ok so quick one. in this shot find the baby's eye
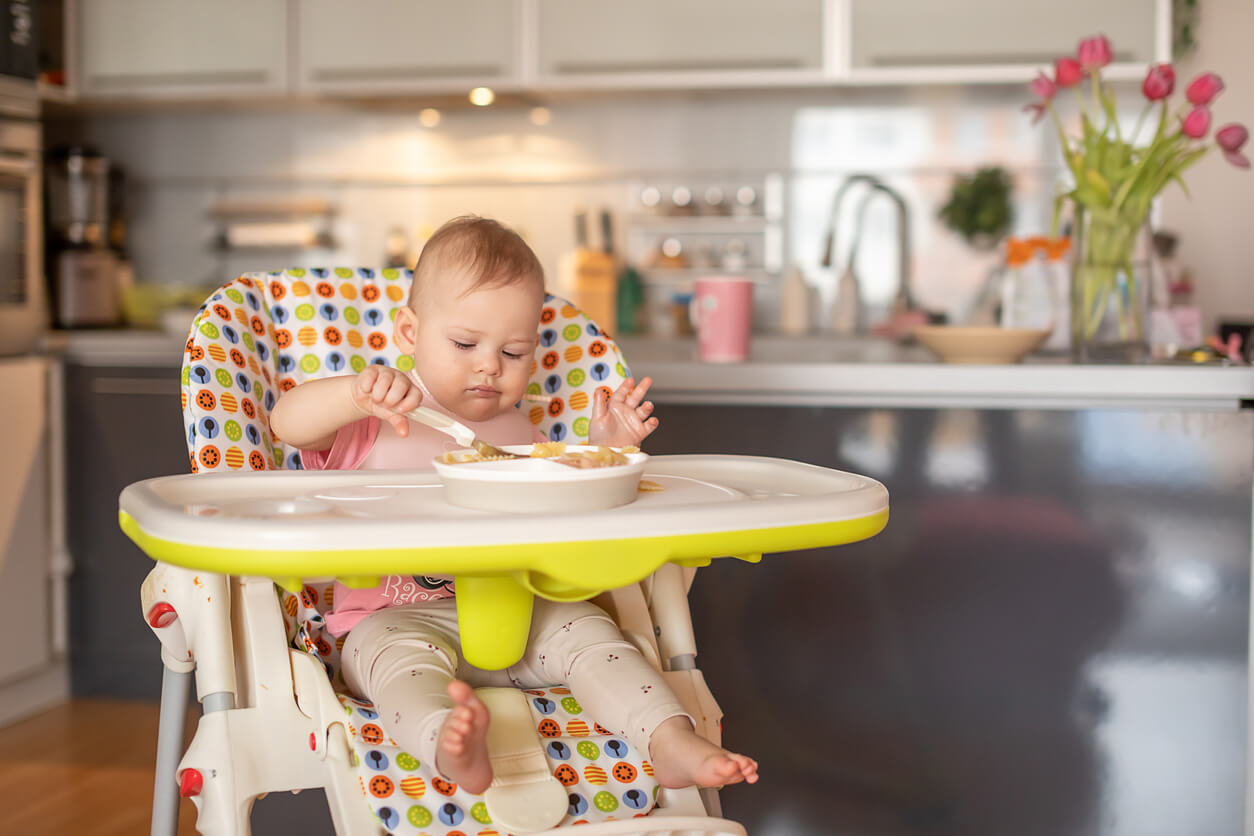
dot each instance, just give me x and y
(513, 356)
(463, 346)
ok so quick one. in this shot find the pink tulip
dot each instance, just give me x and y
(1094, 53)
(1230, 138)
(1068, 72)
(1197, 123)
(1043, 87)
(1204, 89)
(1159, 82)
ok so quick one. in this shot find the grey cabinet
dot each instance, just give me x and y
(404, 45)
(1055, 592)
(966, 35)
(588, 38)
(122, 425)
(158, 49)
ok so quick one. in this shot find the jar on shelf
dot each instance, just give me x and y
(1033, 283)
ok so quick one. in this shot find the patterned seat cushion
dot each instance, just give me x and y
(264, 333)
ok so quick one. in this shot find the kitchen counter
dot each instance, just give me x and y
(819, 371)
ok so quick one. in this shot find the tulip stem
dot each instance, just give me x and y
(1140, 122)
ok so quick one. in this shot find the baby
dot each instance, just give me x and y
(471, 327)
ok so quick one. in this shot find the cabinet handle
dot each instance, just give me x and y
(966, 59)
(410, 72)
(134, 386)
(676, 66)
(124, 81)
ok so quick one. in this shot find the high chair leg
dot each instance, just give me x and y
(175, 689)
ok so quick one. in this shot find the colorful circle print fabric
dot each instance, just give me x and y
(604, 777)
(263, 333)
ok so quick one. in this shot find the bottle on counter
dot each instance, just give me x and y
(794, 304)
(629, 298)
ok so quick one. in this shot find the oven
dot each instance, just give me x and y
(23, 313)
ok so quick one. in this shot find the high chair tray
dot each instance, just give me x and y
(360, 525)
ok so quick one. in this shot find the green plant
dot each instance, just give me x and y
(979, 207)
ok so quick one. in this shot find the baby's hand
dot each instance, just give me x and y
(621, 419)
(387, 394)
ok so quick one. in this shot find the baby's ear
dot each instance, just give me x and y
(405, 329)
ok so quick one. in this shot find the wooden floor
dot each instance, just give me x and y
(84, 768)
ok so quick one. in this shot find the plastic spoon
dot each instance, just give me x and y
(460, 433)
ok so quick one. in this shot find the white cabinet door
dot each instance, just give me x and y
(157, 48)
(888, 35)
(24, 542)
(396, 45)
(678, 38)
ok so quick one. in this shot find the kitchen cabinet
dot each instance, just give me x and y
(32, 665)
(405, 45)
(968, 39)
(1054, 589)
(157, 49)
(123, 424)
(149, 49)
(599, 41)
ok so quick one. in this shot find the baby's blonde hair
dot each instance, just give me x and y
(488, 252)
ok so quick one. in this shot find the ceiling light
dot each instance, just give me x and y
(540, 116)
(482, 96)
(429, 117)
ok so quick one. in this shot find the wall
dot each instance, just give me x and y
(384, 169)
(1214, 223)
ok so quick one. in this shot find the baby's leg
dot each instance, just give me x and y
(579, 645)
(403, 660)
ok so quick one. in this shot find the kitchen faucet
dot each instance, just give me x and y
(903, 300)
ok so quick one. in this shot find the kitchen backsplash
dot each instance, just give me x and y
(381, 169)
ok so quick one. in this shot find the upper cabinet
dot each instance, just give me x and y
(159, 49)
(186, 49)
(405, 45)
(915, 40)
(666, 41)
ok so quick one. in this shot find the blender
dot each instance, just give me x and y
(84, 269)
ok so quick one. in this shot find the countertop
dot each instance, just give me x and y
(824, 371)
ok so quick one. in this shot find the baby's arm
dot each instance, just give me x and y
(308, 416)
(624, 418)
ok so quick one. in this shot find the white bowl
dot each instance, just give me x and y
(539, 485)
(980, 344)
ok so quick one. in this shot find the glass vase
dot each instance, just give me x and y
(1109, 291)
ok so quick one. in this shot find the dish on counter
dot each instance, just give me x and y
(538, 484)
(979, 344)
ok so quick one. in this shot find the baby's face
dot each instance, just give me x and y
(474, 350)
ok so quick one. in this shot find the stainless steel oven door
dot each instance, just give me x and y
(23, 313)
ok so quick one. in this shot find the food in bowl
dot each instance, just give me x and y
(583, 458)
(557, 478)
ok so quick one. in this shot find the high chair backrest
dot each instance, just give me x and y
(263, 333)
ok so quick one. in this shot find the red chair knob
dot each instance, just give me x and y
(161, 614)
(191, 782)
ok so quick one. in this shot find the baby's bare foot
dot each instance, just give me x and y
(682, 758)
(462, 748)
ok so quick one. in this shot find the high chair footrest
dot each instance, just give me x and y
(524, 796)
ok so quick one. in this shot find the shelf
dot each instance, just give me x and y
(701, 223)
(679, 274)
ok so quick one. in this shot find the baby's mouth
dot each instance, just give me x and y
(483, 391)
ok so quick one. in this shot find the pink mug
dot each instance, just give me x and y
(722, 314)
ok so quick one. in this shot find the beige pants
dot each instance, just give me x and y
(403, 658)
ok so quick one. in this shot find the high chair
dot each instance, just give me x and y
(267, 677)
